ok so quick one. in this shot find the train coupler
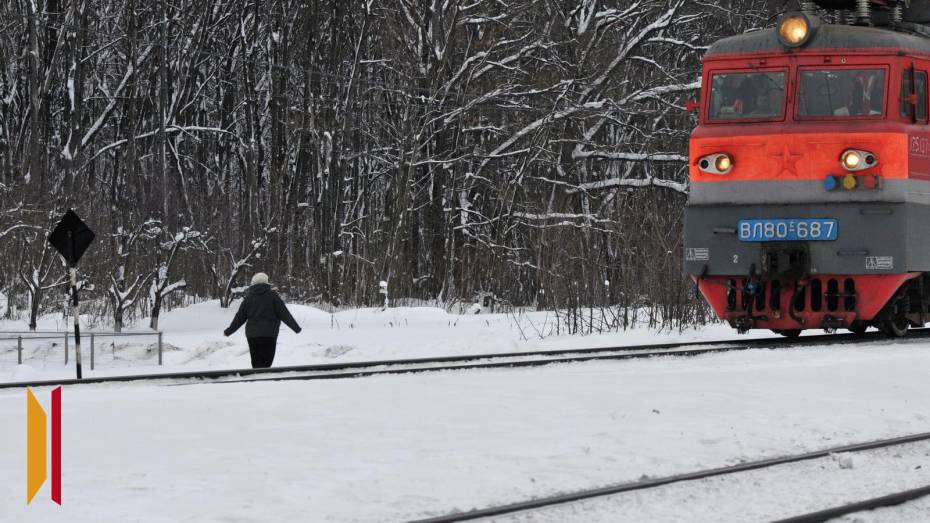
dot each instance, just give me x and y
(744, 324)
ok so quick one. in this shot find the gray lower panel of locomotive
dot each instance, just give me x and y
(872, 238)
(763, 192)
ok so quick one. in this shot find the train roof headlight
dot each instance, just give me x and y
(794, 29)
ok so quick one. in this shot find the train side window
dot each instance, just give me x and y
(920, 90)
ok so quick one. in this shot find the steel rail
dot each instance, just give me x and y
(620, 488)
(621, 353)
(489, 365)
(356, 369)
(870, 504)
(332, 370)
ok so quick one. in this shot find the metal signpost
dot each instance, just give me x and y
(71, 238)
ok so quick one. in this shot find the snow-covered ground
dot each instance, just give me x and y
(393, 448)
(193, 340)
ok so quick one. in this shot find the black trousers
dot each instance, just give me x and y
(262, 351)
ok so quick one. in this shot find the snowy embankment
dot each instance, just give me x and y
(193, 340)
(393, 448)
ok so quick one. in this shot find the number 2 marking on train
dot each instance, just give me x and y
(736, 258)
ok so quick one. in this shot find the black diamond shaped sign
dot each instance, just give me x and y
(71, 237)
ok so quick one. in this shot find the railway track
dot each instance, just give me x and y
(890, 500)
(621, 488)
(477, 361)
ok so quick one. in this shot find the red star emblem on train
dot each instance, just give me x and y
(789, 161)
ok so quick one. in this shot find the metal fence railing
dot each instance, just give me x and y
(25, 336)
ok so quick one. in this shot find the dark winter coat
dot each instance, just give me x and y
(262, 311)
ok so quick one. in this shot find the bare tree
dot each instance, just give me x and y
(162, 285)
(529, 149)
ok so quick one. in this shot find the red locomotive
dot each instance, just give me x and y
(810, 172)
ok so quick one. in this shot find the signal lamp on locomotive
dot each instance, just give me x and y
(794, 30)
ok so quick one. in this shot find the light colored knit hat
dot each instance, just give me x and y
(260, 277)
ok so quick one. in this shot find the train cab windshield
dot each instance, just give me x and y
(840, 93)
(747, 96)
(822, 93)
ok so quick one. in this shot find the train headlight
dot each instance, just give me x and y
(720, 163)
(794, 29)
(853, 160)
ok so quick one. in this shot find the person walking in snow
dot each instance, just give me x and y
(262, 312)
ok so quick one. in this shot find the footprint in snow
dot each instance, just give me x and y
(207, 349)
(337, 350)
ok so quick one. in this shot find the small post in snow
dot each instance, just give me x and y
(383, 291)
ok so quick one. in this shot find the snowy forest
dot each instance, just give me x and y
(533, 151)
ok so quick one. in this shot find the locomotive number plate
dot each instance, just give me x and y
(780, 230)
